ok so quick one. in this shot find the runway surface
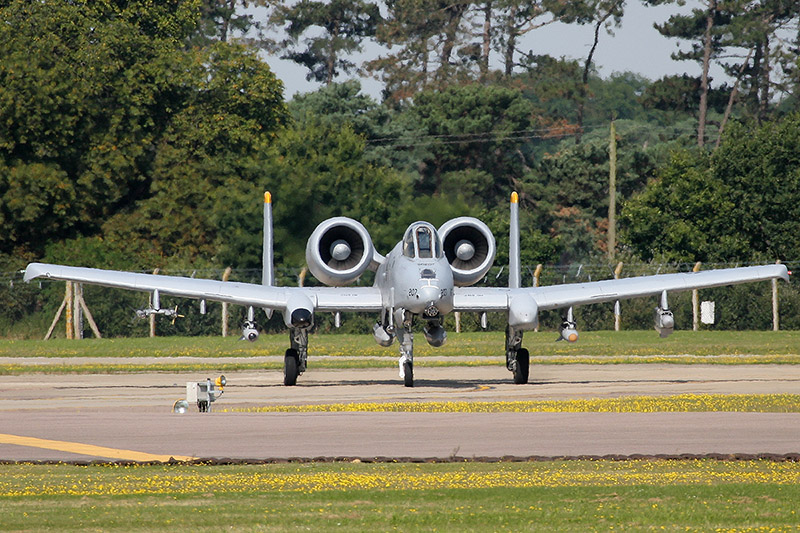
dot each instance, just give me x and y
(128, 416)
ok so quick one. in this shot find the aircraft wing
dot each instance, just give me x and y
(566, 295)
(247, 294)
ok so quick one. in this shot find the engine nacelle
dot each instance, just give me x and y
(469, 247)
(339, 251)
(665, 322)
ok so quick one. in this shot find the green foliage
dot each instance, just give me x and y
(220, 20)
(338, 104)
(741, 203)
(315, 171)
(569, 189)
(475, 127)
(345, 24)
(89, 90)
(217, 142)
(761, 168)
(670, 218)
(552, 85)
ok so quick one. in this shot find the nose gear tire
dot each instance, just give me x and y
(408, 374)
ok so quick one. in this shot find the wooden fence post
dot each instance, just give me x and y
(617, 312)
(696, 302)
(536, 275)
(152, 316)
(225, 276)
(775, 316)
(69, 299)
(77, 314)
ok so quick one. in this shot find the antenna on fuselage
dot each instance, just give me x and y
(514, 272)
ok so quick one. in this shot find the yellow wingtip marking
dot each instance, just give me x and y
(267, 197)
(514, 197)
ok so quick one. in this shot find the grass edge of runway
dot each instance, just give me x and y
(343, 363)
(347, 351)
(576, 495)
(678, 403)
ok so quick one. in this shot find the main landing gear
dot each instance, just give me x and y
(517, 357)
(296, 358)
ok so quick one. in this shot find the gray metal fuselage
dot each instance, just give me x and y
(416, 279)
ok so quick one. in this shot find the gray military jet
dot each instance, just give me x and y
(428, 274)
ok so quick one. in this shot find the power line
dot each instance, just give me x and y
(412, 141)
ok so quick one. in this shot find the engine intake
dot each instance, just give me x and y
(339, 251)
(469, 247)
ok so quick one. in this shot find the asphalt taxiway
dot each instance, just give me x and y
(129, 417)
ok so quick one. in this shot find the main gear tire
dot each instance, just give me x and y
(522, 367)
(291, 364)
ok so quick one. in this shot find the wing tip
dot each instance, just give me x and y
(784, 273)
(33, 271)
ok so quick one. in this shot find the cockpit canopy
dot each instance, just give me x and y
(422, 241)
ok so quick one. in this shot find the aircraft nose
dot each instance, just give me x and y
(429, 297)
(429, 294)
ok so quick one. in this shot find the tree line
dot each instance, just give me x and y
(138, 135)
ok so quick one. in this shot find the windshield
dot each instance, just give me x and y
(425, 242)
(422, 241)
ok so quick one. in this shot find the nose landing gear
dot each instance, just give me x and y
(406, 339)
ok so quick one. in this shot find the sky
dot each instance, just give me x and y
(635, 46)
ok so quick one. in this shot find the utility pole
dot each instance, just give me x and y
(612, 191)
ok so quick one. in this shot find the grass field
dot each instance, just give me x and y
(360, 351)
(544, 496)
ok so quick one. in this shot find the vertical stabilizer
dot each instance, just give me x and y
(267, 274)
(514, 280)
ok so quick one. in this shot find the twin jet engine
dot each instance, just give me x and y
(340, 250)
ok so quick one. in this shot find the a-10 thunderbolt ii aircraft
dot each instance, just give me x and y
(428, 274)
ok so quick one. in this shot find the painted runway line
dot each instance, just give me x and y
(89, 449)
